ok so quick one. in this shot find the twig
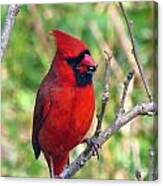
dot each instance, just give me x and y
(106, 135)
(10, 19)
(124, 94)
(105, 95)
(133, 51)
(119, 27)
(152, 173)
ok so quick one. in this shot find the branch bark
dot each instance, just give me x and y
(142, 109)
(105, 95)
(124, 94)
(9, 22)
(134, 52)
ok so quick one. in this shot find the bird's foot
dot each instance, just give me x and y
(91, 143)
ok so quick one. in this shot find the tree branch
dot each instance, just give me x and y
(152, 171)
(105, 95)
(133, 51)
(142, 109)
(10, 19)
(124, 94)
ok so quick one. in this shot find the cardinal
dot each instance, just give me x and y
(65, 103)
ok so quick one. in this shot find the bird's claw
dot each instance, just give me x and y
(91, 143)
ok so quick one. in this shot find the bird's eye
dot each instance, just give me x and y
(87, 52)
(76, 60)
(86, 55)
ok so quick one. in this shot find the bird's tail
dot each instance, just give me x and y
(57, 164)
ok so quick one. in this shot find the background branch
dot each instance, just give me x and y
(133, 51)
(9, 22)
(152, 170)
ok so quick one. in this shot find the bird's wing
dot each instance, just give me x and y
(41, 110)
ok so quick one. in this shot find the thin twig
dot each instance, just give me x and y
(133, 51)
(105, 95)
(104, 136)
(124, 94)
(152, 173)
(9, 22)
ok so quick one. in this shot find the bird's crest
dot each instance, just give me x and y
(67, 45)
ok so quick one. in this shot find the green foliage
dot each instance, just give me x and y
(27, 60)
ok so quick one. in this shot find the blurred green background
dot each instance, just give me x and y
(28, 57)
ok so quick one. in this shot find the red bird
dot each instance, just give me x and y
(65, 103)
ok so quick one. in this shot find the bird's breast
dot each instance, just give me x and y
(70, 117)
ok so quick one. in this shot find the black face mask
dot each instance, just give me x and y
(85, 78)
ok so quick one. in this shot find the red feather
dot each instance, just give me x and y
(67, 45)
(64, 109)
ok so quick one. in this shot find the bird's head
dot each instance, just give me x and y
(77, 56)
